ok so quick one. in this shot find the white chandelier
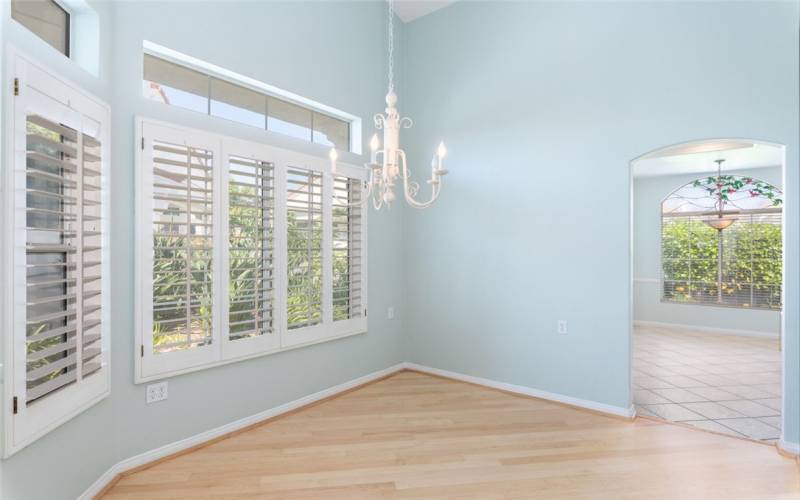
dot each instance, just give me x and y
(383, 176)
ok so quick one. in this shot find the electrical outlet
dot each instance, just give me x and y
(562, 327)
(157, 392)
(390, 312)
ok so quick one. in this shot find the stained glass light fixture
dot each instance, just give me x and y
(718, 219)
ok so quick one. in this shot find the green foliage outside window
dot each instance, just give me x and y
(751, 262)
(250, 258)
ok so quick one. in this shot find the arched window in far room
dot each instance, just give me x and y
(721, 243)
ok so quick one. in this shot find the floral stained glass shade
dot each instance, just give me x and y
(730, 257)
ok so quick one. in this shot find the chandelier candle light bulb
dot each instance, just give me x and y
(393, 163)
(333, 155)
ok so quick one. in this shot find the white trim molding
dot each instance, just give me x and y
(709, 329)
(789, 447)
(184, 444)
(585, 404)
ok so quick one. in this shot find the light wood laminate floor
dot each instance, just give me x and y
(417, 436)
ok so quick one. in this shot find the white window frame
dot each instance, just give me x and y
(29, 424)
(206, 68)
(222, 350)
(70, 35)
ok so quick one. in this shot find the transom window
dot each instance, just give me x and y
(47, 19)
(178, 85)
(723, 253)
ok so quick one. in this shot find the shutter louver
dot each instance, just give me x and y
(346, 247)
(304, 247)
(182, 246)
(63, 247)
(251, 247)
(57, 361)
(285, 266)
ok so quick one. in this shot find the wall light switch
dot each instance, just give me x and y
(562, 327)
(157, 392)
(390, 312)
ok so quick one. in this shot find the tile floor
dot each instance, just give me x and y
(717, 382)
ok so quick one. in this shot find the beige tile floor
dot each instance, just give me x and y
(712, 381)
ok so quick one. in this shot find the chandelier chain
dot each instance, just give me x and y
(391, 44)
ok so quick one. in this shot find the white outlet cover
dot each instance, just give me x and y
(157, 392)
(562, 327)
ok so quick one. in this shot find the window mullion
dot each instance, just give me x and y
(280, 255)
(222, 242)
(219, 254)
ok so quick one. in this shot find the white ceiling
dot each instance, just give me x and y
(699, 158)
(408, 10)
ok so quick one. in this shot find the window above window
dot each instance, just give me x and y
(47, 19)
(206, 91)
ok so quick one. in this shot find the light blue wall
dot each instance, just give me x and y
(543, 105)
(648, 193)
(331, 52)
(91, 435)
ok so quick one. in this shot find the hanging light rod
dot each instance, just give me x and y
(389, 162)
(719, 220)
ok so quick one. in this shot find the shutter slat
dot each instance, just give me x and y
(64, 226)
(183, 217)
(250, 244)
(346, 237)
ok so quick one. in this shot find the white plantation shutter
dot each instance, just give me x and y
(178, 231)
(347, 248)
(304, 220)
(243, 250)
(60, 265)
(183, 244)
(251, 248)
(250, 294)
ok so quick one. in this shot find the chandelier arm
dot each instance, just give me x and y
(364, 196)
(409, 199)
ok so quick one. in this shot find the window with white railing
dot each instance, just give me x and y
(243, 249)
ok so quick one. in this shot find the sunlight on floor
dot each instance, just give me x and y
(712, 381)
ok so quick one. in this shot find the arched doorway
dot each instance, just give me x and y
(707, 267)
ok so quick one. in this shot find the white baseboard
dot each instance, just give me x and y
(183, 444)
(724, 331)
(528, 391)
(788, 447)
